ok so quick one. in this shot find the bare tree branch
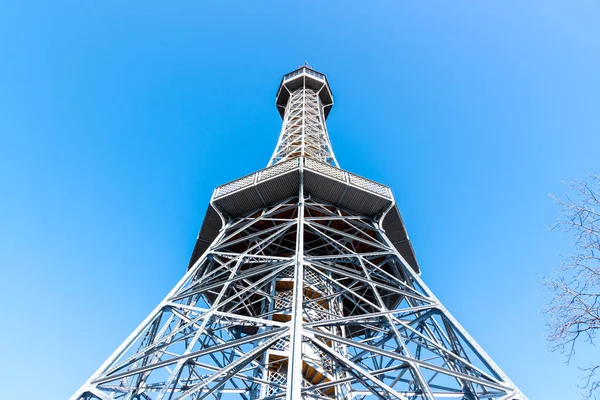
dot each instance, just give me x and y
(574, 310)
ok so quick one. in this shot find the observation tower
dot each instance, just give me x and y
(303, 284)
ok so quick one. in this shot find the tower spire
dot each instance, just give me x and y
(303, 284)
(304, 100)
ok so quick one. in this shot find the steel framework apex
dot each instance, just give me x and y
(303, 284)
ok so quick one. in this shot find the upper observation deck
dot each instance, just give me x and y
(304, 77)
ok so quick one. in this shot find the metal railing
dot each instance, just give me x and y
(310, 164)
(348, 178)
(304, 70)
(234, 186)
(259, 176)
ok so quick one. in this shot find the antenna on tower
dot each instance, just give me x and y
(305, 64)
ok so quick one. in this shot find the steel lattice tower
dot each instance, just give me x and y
(302, 284)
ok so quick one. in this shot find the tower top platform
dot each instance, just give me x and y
(304, 77)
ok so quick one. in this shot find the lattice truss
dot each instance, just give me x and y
(300, 283)
(304, 132)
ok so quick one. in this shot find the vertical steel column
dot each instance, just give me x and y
(294, 384)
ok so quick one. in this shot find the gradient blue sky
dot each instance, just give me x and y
(118, 118)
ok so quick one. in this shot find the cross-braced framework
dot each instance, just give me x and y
(304, 132)
(302, 297)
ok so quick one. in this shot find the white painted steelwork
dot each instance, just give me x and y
(302, 285)
(306, 98)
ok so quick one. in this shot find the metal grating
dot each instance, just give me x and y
(282, 345)
(277, 382)
(325, 169)
(277, 169)
(370, 185)
(235, 185)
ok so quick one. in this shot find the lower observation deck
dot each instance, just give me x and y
(321, 181)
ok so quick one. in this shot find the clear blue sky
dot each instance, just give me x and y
(118, 118)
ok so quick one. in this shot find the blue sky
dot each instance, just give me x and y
(117, 119)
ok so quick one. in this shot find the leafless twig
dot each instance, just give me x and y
(574, 310)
